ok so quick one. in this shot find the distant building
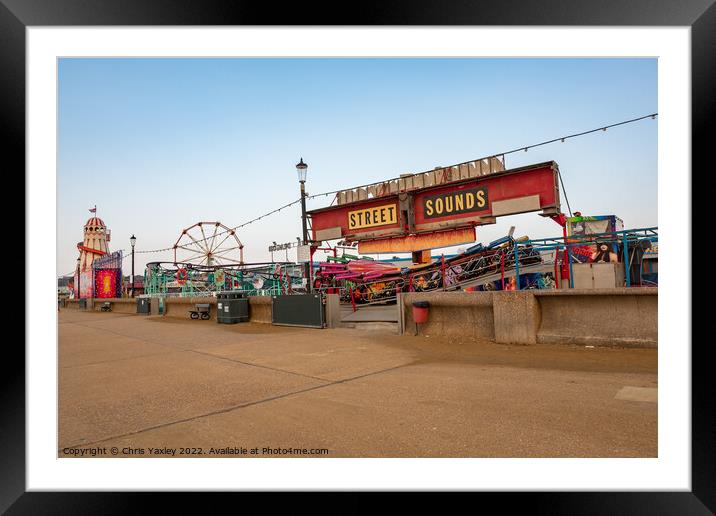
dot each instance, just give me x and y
(65, 287)
(138, 285)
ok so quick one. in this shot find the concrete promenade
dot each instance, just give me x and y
(135, 383)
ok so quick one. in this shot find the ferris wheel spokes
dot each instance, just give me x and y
(195, 241)
(221, 243)
(224, 251)
(213, 237)
(201, 249)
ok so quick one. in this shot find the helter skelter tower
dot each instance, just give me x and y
(94, 245)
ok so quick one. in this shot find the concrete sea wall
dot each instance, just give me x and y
(625, 317)
(177, 307)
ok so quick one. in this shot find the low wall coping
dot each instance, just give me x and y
(450, 298)
(623, 291)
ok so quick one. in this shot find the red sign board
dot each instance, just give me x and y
(449, 206)
(411, 243)
(481, 199)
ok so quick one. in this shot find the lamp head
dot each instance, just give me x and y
(301, 168)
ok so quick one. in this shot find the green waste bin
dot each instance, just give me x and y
(231, 308)
(143, 305)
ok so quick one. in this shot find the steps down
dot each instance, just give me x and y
(372, 317)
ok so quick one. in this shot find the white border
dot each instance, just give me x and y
(670, 471)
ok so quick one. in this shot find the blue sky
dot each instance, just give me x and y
(159, 144)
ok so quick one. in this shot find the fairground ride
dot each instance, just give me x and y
(191, 279)
(504, 264)
(208, 243)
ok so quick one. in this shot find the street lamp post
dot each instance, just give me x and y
(302, 168)
(79, 295)
(133, 240)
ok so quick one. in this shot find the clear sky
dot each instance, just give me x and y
(159, 144)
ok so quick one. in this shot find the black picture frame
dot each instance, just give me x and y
(17, 15)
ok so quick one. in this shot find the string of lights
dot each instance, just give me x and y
(230, 229)
(519, 149)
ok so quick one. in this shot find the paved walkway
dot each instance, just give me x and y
(145, 386)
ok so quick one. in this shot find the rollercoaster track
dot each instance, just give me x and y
(509, 273)
(462, 271)
(188, 279)
(244, 267)
(482, 265)
(481, 280)
(364, 282)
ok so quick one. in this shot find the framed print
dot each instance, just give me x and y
(411, 250)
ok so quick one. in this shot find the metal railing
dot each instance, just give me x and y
(550, 259)
(627, 240)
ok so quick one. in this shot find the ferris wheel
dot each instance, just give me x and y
(208, 244)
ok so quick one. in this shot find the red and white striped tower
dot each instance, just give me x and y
(95, 241)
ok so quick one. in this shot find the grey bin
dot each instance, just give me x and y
(82, 304)
(143, 305)
(231, 308)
